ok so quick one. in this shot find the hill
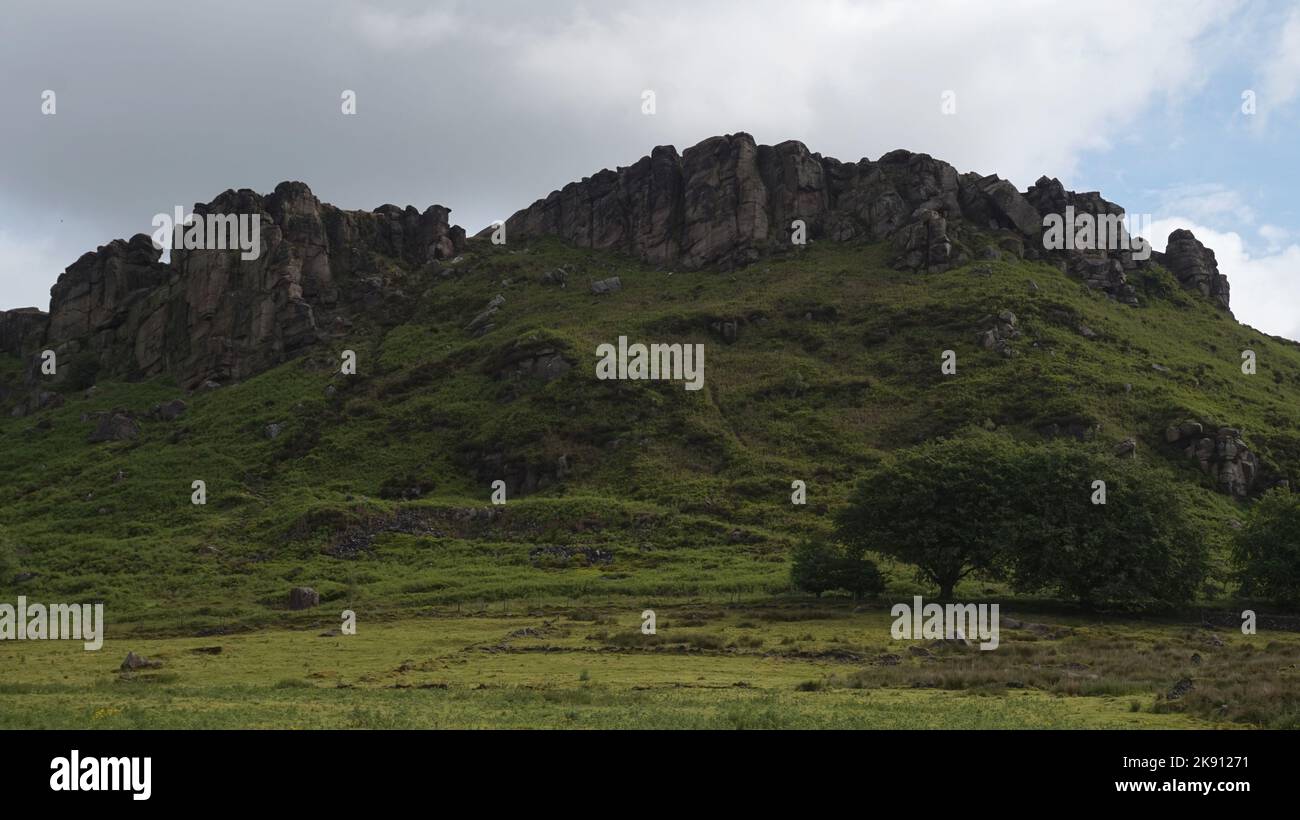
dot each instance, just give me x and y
(476, 362)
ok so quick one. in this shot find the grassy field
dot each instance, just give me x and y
(792, 665)
(685, 494)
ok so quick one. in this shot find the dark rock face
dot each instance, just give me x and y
(119, 425)
(1221, 454)
(303, 598)
(22, 331)
(727, 200)
(211, 315)
(1195, 266)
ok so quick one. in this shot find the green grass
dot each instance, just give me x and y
(837, 362)
(594, 669)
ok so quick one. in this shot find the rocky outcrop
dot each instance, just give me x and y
(727, 200)
(97, 294)
(214, 315)
(22, 330)
(303, 598)
(1002, 329)
(1221, 454)
(118, 425)
(1104, 269)
(1195, 266)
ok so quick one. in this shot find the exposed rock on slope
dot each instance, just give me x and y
(1195, 266)
(727, 200)
(210, 315)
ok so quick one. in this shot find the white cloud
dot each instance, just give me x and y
(1281, 67)
(1265, 288)
(1274, 236)
(1205, 202)
(1036, 84)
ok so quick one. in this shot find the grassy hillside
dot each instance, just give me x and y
(376, 489)
(837, 359)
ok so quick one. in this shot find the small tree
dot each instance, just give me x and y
(857, 575)
(819, 566)
(1267, 550)
(812, 567)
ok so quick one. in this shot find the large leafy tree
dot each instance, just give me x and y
(1137, 548)
(944, 506)
(1267, 549)
(982, 502)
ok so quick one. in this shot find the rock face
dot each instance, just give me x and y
(22, 330)
(1105, 270)
(727, 200)
(119, 425)
(1195, 266)
(303, 598)
(1221, 454)
(212, 315)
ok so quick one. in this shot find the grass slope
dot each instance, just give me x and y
(836, 361)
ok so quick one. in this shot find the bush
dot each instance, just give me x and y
(820, 566)
(1267, 550)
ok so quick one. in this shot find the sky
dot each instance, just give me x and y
(1184, 112)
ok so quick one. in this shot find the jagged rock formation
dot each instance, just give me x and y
(1221, 454)
(1195, 266)
(210, 315)
(727, 200)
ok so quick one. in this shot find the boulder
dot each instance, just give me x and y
(303, 598)
(170, 410)
(118, 425)
(136, 662)
(602, 287)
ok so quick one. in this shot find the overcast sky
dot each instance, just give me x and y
(484, 107)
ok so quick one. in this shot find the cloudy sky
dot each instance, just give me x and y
(484, 107)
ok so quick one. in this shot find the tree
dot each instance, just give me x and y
(812, 567)
(1267, 549)
(819, 566)
(1137, 548)
(982, 502)
(944, 506)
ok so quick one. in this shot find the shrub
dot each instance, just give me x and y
(1267, 550)
(819, 566)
